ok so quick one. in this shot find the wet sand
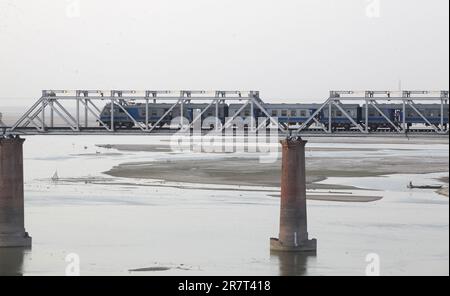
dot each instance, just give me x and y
(250, 172)
(317, 195)
(341, 197)
(443, 191)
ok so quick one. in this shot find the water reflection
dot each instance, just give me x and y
(292, 264)
(11, 261)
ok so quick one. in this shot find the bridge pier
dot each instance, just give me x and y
(12, 229)
(293, 214)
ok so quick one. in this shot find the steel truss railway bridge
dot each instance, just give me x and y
(79, 112)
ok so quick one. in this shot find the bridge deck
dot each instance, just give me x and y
(64, 131)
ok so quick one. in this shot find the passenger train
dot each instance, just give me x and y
(287, 114)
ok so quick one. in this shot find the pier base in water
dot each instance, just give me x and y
(12, 229)
(293, 215)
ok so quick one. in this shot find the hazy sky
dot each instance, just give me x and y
(288, 49)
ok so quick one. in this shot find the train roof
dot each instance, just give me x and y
(281, 105)
(417, 104)
(152, 105)
(295, 105)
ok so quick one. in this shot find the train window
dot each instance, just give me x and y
(293, 113)
(302, 113)
(247, 113)
(338, 114)
(274, 113)
(154, 113)
(284, 113)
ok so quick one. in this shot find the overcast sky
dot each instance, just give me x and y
(290, 50)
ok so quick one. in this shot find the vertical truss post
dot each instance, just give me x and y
(52, 117)
(367, 116)
(78, 111)
(217, 114)
(112, 115)
(146, 113)
(252, 115)
(182, 109)
(444, 101)
(86, 113)
(405, 126)
(330, 120)
(44, 103)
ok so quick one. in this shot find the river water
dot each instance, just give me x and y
(115, 228)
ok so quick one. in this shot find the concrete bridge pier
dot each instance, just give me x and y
(293, 215)
(12, 229)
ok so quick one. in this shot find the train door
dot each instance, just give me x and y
(397, 115)
(191, 114)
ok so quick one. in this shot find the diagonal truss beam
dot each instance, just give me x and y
(321, 125)
(338, 105)
(131, 117)
(313, 116)
(71, 124)
(273, 120)
(235, 115)
(199, 116)
(34, 115)
(27, 114)
(375, 105)
(166, 114)
(86, 104)
(412, 105)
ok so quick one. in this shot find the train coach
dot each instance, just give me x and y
(292, 114)
(395, 113)
(340, 120)
(156, 111)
